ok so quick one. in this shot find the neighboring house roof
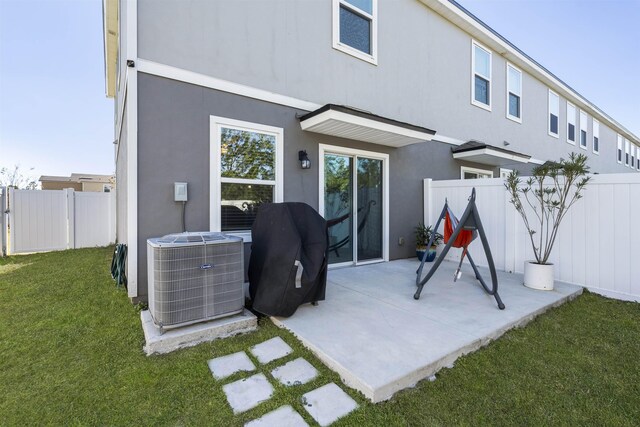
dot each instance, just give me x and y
(468, 22)
(79, 177)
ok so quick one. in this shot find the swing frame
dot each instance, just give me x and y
(470, 220)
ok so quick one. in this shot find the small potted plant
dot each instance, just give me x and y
(542, 202)
(423, 236)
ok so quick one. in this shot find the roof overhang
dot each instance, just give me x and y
(479, 152)
(351, 123)
(110, 40)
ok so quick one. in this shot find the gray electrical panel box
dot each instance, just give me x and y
(180, 191)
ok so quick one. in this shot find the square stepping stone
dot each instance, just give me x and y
(296, 372)
(272, 349)
(225, 366)
(284, 416)
(248, 393)
(328, 403)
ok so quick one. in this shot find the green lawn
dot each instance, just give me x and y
(71, 353)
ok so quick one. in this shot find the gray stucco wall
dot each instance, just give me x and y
(174, 145)
(122, 183)
(423, 74)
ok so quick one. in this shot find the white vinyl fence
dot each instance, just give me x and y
(598, 244)
(48, 220)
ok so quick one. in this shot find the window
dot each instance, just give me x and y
(619, 158)
(504, 173)
(480, 76)
(355, 28)
(246, 161)
(633, 157)
(571, 123)
(626, 153)
(638, 158)
(583, 130)
(596, 136)
(514, 93)
(473, 173)
(554, 113)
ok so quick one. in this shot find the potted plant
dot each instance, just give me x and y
(542, 201)
(423, 236)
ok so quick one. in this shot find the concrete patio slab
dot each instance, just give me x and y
(248, 393)
(284, 416)
(328, 403)
(380, 340)
(270, 350)
(187, 336)
(296, 372)
(225, 366)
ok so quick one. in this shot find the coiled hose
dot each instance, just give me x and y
(118, 262)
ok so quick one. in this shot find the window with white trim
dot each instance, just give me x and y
(626, 152)
(571, 123)
(474, 173)
(504, 173)
(638, 158)
(554, 114)
(596, 136)
(633, 157)
(514, 93)
(355, 28)
(246, 172)
(480, 76)
(619, 156)
(583, 130)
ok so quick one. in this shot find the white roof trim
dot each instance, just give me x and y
(490, 156)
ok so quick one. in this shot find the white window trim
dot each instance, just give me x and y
(215, 180)
(595, 133)
(555, 135)
(519, 95)
(638, 158)
(575, 110)
(619, 149)
(373, 58)
(473, 75)
(505, 172)
(322, 150)
(586, 131)
(626, 152)
(464, 169)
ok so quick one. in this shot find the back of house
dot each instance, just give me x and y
(230, 97)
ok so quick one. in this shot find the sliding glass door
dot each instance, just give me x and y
(353, 200)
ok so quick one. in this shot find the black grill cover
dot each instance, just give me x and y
(282, 234)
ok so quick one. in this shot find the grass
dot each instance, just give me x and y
(71, 353)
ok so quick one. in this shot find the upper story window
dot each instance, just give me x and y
(554, 114)
(626, 152)
(246, 163)
(514, 93)
(571, 123)
(619, 156)
(355, 28)
(481, 76)
(583, 130)
(596, 136)
(638, 158)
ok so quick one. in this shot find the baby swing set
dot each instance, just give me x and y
(460, 234)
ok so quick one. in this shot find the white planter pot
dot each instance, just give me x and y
(538, 276)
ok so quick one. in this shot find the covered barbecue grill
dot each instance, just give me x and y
(288, 264)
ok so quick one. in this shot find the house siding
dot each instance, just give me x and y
(423, 75)
(174, 145)
(122, 184)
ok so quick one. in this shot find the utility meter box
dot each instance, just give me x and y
(180, 191)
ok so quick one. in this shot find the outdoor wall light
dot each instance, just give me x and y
(305, 163)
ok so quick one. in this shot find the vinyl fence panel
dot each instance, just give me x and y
(597, 244)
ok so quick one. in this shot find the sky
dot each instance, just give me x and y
(55, 118)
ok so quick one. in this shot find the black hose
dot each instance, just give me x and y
(118, 265)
